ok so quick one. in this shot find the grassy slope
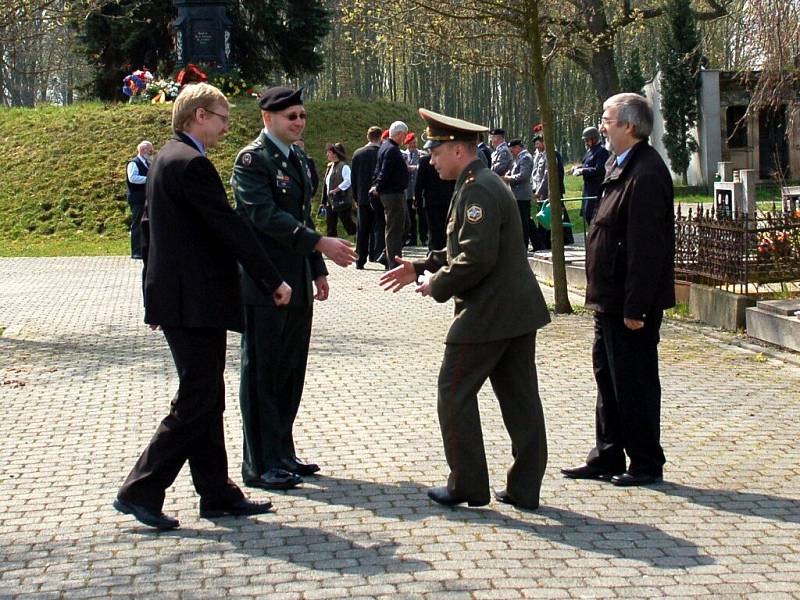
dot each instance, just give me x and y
(62, 174)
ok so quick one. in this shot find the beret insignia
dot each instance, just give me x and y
(247, 159)
(474, 214)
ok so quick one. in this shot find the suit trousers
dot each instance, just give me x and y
(628, 411)
(370, 235)
(193, 430)
(437, 223)
(273, 371)
(524, 207)
(510, 366)
(394, 206)
(137, 210)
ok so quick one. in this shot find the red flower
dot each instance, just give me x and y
(191, 74)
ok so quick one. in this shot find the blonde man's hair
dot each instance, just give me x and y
(192, 97)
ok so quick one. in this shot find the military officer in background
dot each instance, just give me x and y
(272, 187)
(485, 270)
(593, 171)
(518, 179)
(501, 157)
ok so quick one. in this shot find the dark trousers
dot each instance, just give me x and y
(273, 371)
(193, 430)
(345, 216)
(137, 210)
(370, 236)
(524, 207)
(510, 366)
(437, 222)
(628, 413)
(394, 207)
(417, 224)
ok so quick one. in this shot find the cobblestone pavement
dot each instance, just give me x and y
(84, 384)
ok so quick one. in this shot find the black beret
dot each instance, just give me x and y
(277, 98)
(515, 142)
(497, 131)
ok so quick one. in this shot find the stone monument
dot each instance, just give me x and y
(202, 33)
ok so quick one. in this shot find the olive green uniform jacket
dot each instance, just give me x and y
(483, 267)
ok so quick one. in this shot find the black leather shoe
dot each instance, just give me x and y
(502, 496)
(359, 266)
(300, 467)
(145, 515)
(238, 508)
(443, 496)
(627, 479)
(382, 260)
(275, 479)
(589, 472)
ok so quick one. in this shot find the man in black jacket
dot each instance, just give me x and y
(370, 237)
(630, 254)
(433, 194)
(390, 183)
(192, 241)
(593, 171)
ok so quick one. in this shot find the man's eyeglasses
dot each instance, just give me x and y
(224, 118)
(605, 121)
(294, 116)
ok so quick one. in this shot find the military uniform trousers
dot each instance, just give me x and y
(193, 430)
(628, 412)
(273, 370)
(510, 366)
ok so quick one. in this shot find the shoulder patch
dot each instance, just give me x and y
(247, 159)
(474, 213)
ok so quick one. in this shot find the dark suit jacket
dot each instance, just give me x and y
(430, 189)
(192, 240)
(630, 249)
(275, 196)
(362, 168)
(485, 267)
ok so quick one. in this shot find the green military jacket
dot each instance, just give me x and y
(274, 194)
(485, 268)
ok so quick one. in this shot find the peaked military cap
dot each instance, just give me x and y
(497, 131)
(442, 129)
(277, 98)
(515, 142)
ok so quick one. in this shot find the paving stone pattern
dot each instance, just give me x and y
(83, 384)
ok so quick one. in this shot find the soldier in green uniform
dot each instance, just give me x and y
(272, 186)
(498, 308)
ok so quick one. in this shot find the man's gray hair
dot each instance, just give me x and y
(397, 127)
(633, 109)
(142, 145)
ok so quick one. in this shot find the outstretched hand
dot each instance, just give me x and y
(399, 277)
(338, 250)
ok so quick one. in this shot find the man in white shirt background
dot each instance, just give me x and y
(136, 179)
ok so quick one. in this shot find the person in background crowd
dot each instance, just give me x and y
(542, 191)
(191, 290)
(416, 216)
(389, 184)
(593, 171)
(433, 195)
(312, 166)
(484, 152)
(272, 188)
(136, 179)
(501, 157)
(519, 180)
(337, 193)
(630, 261)
(371, 234)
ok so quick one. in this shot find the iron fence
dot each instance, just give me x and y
(735, 251)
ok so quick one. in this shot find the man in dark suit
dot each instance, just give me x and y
(485, 270)
(433, 194)
(630, 261)
(593, 171)
(272, 188)
(371, 222)
(192, 241)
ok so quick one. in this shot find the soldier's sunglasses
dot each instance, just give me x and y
(294, 116)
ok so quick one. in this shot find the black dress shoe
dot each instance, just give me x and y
(275, 479)
(589, 472)
(359, 266)
(145, 515)
(382, 260)
(627, 478)
(443, 496)
(238, 508)
(300, 467)
(502, 496)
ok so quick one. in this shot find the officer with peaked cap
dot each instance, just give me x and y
(498, 309)
(272, 186)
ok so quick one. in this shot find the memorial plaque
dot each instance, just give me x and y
(202, 33)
